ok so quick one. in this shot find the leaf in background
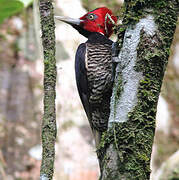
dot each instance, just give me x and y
(9, 7)
(26, 2)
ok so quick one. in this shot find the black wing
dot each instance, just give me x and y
(81, 79)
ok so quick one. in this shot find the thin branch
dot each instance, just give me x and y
(49, 118)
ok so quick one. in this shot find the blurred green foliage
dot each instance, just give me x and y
(11, 7)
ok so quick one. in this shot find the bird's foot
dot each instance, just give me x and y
(115, 59)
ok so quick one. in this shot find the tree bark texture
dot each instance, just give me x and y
(125, 149)
(49, 118)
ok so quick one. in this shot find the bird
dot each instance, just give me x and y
(93, 66)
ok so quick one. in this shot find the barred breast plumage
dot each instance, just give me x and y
(99, 74)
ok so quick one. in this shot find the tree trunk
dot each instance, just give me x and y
(49, 118)
(125, 149)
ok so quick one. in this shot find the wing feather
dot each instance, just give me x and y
(81, 78)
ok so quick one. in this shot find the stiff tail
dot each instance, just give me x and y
(97, 137)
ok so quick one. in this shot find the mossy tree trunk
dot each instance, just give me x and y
(49, 118)
(125, 149)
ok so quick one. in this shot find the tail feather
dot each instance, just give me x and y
(97, 137)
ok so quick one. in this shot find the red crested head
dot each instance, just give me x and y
(99, 20)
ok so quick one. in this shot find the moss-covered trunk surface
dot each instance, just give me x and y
(49, 118)
(125, 149)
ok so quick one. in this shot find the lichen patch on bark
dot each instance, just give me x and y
(130, 78)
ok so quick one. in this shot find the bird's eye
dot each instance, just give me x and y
(91, 17)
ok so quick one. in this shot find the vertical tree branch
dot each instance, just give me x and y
(125, 150)
(49, 118)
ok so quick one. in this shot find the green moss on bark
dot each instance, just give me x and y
(133, 147)
(49, 118)
(163, 9)
(132, 140)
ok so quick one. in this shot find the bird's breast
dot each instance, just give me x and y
(99, 70)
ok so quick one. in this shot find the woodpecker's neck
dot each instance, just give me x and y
(96, 37)
(82, 31)
(90, 35)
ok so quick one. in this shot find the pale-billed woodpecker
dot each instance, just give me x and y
(93, 66)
